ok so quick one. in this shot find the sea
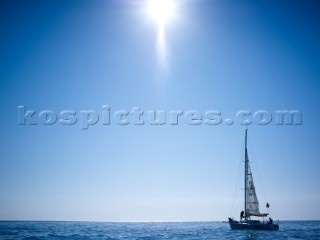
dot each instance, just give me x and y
(147, 231)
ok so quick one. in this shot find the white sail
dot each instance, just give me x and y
(252, 203)
(251, 200)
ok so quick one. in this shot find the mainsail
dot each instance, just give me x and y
(251, 200)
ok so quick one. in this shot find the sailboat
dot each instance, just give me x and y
(251, 204)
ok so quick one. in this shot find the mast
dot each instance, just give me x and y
(245, 175)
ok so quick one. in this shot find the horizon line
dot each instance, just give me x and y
(98, 221)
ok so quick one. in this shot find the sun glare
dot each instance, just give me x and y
(161, 10)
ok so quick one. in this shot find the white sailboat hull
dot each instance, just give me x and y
(252, 225)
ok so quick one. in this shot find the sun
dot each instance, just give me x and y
(161, 10)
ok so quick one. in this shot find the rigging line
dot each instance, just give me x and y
(236, 187)
(239, 194)
(236, 191)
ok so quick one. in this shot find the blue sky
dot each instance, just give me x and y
(223, 55)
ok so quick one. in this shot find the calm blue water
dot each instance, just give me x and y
(146, 231)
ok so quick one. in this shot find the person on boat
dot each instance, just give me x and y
(270, 220)
(241, 215)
